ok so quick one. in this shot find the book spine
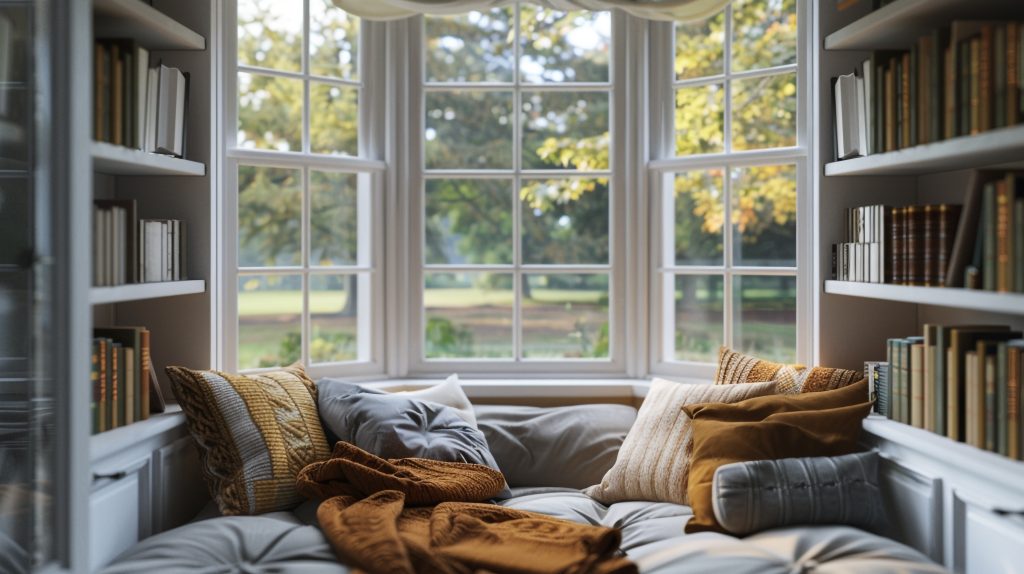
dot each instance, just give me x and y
(116, 392)
(949, 123)
(144, 378)
(1002, 400)
(1012, 73)
(910, 94)
(890, 106)
(913, 232)
(94, 381)
(939, 380)
(999, 58)
(930, 245)
(988, 237)
(896, 245)
(1004, 245)
(949, 219)
(990, 403)
(1013, 369)
(917, 385)
(963, 63)
(985, 79)
(1018, 245)
(974, 113)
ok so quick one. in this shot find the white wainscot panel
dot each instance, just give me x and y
(914, 503)
(990, 540)
(118, 511)
(178, 483)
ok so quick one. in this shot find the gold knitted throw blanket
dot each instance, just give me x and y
(427, 517)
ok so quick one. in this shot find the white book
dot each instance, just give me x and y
(175, 250)
(168, 237)
(866, 94)
(862, 117)
(847, 122)
(874, 261)
(154, 250)
(141, 94)
(171, 112)
(152, 99)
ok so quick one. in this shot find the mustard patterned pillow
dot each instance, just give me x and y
(734, 367)
(254, 434)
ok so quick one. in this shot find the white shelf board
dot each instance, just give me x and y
(139, 291)
(899, 25)
(997, 149)
(148, 26)
(113, 441)
(1009, 303)
(119, 160)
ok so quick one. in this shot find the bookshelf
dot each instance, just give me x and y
(973, 299)
(119, 160)
(142, 291)
(144, 24)
(953, 500)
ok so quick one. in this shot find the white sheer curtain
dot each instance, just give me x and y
(677, 10)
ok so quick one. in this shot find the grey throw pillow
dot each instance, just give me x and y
(570, 446)
(392, 426)
(752, 496)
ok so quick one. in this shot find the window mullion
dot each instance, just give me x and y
(306, 136)
(517, 215)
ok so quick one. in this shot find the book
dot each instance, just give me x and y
(1015, 369)
(938, 378)
(1004, 239)
(1001, 380)
(961, 339)
(896, 240)
(917, 403)
(170, 120)
(116, 390)
(927, 368)
(94, 381)
(948, 222)
(987, 237)
(848, 120)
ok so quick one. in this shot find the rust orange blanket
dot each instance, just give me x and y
(423, 516)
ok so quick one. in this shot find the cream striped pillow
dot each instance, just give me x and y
(653, 463)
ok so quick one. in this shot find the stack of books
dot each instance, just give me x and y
(137, 105)
(962, 382)
(956, 81)
(991, 256)
(127, 249)
(122, 376)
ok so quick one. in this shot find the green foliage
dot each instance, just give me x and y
(445, 339)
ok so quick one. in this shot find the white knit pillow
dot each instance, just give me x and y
(448, 393)
(653, 463)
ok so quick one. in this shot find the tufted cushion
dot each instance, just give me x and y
(757, 495)
(230, 544)
(254, 434)
(734, 367)
(563, 446)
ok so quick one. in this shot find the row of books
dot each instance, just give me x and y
(994, 214)
(127, 249)
(909, 245)
(137, 104)
(124, 384)
(959, 80)
(962, 382)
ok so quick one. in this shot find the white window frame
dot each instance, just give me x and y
(664, 165)
(618, 294)
(368, 165)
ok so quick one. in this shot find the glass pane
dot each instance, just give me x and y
(334, 316)
(700, 117)
(564, 46)
(565, 221)
(15, 212)
(764, 317)
(700, 48)
(565, 130)
(699, 217)
(475, 47)
(764, 33)
(565, 316)
(764, 112)
(764, 215)
(333, 218)
(469, 130)
(269, 216)
(698, 316)
(468, 315)
(333, 119)
(270, 34)
(333, 41)
(269, 112)
(468, 221)
(269, 320)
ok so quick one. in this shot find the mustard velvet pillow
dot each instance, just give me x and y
(734, 367)
(768, 428)
(652, 463)
(254, 434)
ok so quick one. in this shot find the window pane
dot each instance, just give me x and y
(564, 46)
(698, 316)
(700, 48)
(565, 221)
(764, 33)
(469, 221)
(468, 315)
(764, 215)
(565, 130)
(764, 112)
(333, 119)
(270, 34)
(269, 216)
(334, 316)
(469, 130)
(269, 112)
(565, 316)
(764, 317)
(699, 217)
(333, 41)
(475, 47)
(700, 117)
(333, 218)
(269, 320)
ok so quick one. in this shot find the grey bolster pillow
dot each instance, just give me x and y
(752, 496)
